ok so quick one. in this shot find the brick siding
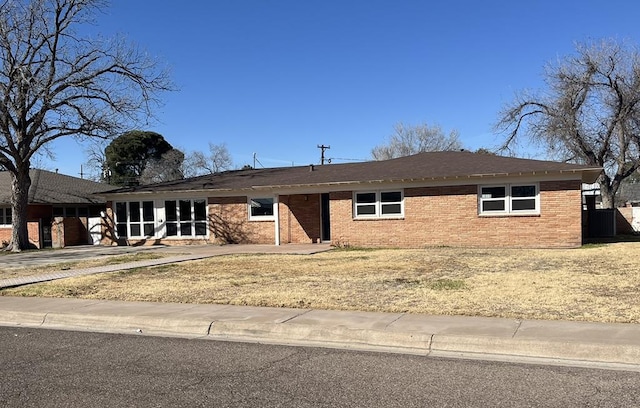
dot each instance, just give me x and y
(449, 216)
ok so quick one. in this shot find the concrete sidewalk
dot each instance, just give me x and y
(614, 346)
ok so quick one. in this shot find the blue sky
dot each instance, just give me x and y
(277, 78)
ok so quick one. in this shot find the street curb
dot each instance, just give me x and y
(622, 356)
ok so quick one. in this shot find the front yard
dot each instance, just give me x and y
(593, 283)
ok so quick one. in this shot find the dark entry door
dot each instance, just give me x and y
(326, 222)
(45, 227)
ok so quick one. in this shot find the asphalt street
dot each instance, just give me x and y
(79, 369)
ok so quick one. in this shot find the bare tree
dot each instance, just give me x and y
(55, 83)
(408, 140)
(96, 163)
(198, 163)
(167, 168)
(590, 113)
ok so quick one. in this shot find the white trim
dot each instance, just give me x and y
(251, 217)
(508, 200)
(276, 214)
(377, 204)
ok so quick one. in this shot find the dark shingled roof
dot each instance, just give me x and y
(53, 188)
(419, 167)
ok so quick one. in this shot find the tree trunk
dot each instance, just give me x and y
(20, 183)
(608, 194)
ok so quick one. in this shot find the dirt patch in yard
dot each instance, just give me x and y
(593, 283)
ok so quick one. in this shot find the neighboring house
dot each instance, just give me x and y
(628, 202)
(438, 198)
(62, 209)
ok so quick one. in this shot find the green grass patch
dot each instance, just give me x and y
(447, 284)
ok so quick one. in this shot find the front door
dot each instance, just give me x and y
(324, 215)
(45, 227)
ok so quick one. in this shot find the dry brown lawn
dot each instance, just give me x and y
(593, 283)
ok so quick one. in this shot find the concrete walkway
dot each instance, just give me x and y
(612, 346)
(176, 254)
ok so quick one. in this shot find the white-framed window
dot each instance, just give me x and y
(261, 208)
(509, 199)
(5, 216)
(135, 219)
(378, 204)
(186, 218)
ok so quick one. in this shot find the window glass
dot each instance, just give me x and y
(261, 207)
(199, 210)
(523, 191)
(493, 192)
(509, 199)
(389, 209)
(364, 198)
(201, 228)
(185, 228)
(134, 211)
(58, 212)
(171, 210)
(147, 211)
(391, 196)
(524, 205)
(185, 210)
(493, 205)
(366, 210)
(83, 211)
(8, 216)
(121, 212)
(182, 216)
(135, 230)
(148, 230)
(121, 228)
(172, 230)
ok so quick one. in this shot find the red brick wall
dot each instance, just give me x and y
(449, 216)
(300, 218)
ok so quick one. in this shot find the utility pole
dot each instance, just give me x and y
(323, 148)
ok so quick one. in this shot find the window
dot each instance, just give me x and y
(378, 204)
(5, 216)
(186, 218)
(261, 208)
(135, 219)
(509, 199)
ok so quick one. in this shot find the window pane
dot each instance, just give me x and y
(171, 210)
(366, 210)
(391, 209)
(522, 205)
(71, 212)
(8, 216)
(493, 192)
(523, 191)
(122, 230)
(134, 211)
(391, 197)
(261, 207)
(497, 205)
(201, 228)
(172, 229)
(185, 229)
(58, 212)
(200, 210)
(365, 198)
(2, 216)
(83, 211)
(121, 212)
(135, 230)
(185, 210)
(148, 230)
(147, 211)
